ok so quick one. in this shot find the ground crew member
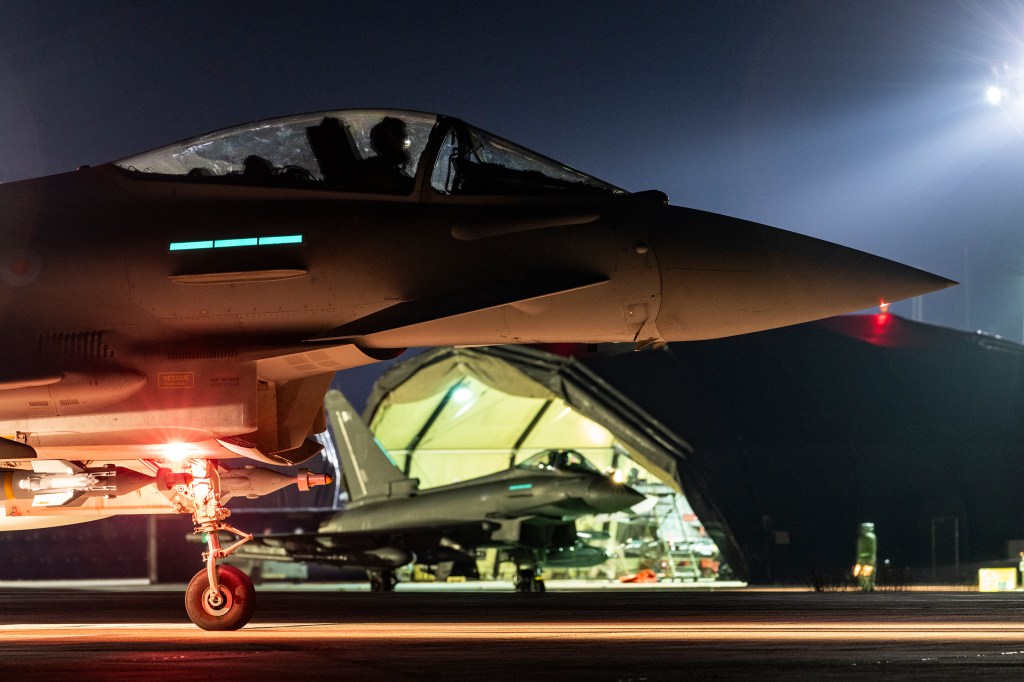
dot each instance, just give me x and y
(867, 557)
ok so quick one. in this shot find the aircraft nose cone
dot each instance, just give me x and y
(723, 276)
(606, 496)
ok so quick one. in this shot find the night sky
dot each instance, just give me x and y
(863, 122)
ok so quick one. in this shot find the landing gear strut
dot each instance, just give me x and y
(218, 597)
(528, 579)
(382, 581)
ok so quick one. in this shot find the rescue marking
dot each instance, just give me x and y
(176, 380)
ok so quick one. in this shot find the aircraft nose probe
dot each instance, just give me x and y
(606, 496)
(723, 276)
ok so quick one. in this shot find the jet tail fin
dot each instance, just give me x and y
(367, 468)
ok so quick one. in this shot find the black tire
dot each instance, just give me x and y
(239, 600)
(524, 580)
(382, 581)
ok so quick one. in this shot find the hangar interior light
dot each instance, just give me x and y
(462, 394)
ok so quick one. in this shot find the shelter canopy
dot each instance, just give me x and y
(505, 404)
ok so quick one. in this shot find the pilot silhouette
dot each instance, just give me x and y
(558, 459)
(385, 172)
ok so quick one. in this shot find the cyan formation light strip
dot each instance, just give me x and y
(287, 239)
(228, 243)
(222, 243)
(189, 246)
(521, 486)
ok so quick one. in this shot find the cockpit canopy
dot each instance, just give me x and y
(373, 151)
(559, 460)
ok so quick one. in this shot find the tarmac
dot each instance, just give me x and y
(130, 630)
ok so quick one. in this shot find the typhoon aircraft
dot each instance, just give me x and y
(172, 320)
(528, 512)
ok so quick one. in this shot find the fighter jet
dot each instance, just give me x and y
(172, 312)
(528, 512)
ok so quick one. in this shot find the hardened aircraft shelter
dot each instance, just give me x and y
(451, 414)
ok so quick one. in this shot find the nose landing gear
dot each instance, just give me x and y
(218, 597)
(529, 580)
(529, 576)
(222, 597)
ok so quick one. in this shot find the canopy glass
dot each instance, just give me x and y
(374, 151)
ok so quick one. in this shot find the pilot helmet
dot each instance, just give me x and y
(389, 135)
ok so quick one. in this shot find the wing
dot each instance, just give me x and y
(369, 550)
(16, 383)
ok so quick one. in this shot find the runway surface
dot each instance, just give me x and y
(142, 633)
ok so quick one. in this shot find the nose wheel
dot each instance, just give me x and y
(227, 606)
